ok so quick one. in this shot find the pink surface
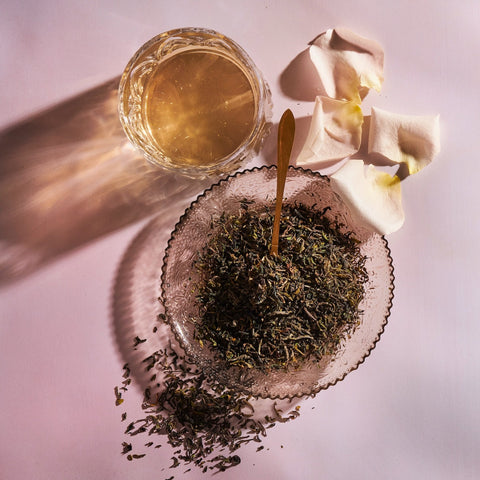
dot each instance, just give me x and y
(74, 196)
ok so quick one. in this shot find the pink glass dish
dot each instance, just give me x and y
(179, 279)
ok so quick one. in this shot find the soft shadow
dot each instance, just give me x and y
(135, 298)
(300, 80)
(69, 176)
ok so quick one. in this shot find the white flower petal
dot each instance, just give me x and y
(372, 195)
(335, 132)
(413, 140)
(348, 65)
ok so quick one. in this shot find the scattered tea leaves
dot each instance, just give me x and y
(205, 423)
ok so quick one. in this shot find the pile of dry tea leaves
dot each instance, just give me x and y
(204, 423)
(274, 311)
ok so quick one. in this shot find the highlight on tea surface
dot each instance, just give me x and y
(198, 107)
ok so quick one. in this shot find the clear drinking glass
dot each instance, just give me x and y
(192, 101)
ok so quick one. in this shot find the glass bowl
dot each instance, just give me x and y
(178, 281)
(193, 102)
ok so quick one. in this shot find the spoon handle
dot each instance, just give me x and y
(286, 134)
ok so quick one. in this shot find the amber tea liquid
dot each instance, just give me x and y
(198, 107)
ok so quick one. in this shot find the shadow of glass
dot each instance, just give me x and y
(69, 176)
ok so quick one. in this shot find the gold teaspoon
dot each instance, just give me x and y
(286, 134)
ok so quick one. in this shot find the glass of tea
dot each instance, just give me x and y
(192, 101)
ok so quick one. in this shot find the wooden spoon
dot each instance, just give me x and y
(286, 134)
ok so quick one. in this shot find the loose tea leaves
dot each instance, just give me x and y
(204, 423)
(275, 311)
